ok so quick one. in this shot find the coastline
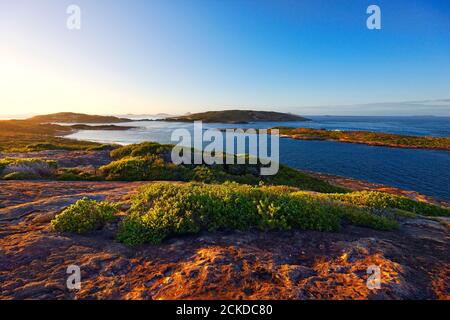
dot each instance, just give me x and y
(369, 143)
(354, 183)
(362, 185)
(86, 158)
(374, 144)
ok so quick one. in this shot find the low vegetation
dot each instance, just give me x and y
(146, 168)
(143, 149)
(150, 161)
(26, 168)
(85, 215)
(77, 174)
(374, 199)
(161, 210)
(366, 137)
(28, 136)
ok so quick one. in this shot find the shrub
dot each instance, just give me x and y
(369, 219)
(150, 161)
(84, 215)
(376, 199)
(142, 150)
(292, 177)
(161, 210)
(100, 147)
(205, 174)
(146, 168)
(75, 174)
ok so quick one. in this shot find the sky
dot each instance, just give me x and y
(178, 56)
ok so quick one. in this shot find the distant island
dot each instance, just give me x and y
(70, 117)
(237, 117)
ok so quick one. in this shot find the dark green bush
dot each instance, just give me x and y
(75, 174)
(84, 215)
(100, 147)
(291, 177)
(19, 176)
(162, 209)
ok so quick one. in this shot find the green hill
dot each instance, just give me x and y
(70, 117)
(238, 116)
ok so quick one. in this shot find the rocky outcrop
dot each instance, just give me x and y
(413, 261)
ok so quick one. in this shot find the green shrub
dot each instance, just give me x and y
(205, 174)
(146, 168)
(142, 150)
(368, 219)
(162, 209)
(376, 199)
(84, 215)
(150, 161)
(100, 147)
(292, 177)
(75, 174)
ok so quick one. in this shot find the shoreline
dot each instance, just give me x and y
(373, 144)
(363, 185)
(347, 181)
(368, 143)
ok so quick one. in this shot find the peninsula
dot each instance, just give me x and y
(367, 137)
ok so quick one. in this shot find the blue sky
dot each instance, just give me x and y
(177, 56)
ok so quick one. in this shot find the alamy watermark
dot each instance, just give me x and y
(374, 280)
(74, 279)
(227, 146)
(374, 20)
(73, 21)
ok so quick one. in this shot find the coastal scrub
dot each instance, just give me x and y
(84, 215)
(161, 210)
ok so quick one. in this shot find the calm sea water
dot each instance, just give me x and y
(425, 171)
